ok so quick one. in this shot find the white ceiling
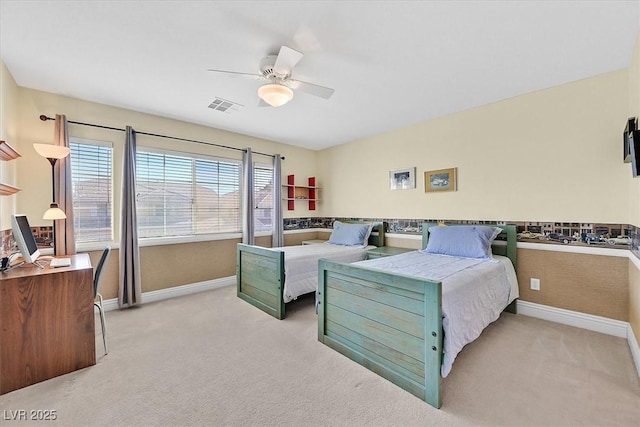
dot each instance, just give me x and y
(391, 63)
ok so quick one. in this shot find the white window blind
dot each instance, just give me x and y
(182, 194)
(263, 197)
(92, 182)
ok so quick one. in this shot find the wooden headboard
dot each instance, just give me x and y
(498, 247)
(377, 234)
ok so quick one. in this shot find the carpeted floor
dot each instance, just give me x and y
(212, 359)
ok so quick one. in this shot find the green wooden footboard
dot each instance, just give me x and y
(388, 323)
(260, 278)
(260, 273)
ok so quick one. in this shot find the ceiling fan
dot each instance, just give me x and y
(276, 69)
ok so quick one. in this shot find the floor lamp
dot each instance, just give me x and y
(53, 153)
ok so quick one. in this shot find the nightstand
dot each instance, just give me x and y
(313, 242)
(384, 251)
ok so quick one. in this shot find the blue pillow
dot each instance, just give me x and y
(350, 234)
(471, 241)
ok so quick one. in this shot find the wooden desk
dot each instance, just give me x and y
(46, 322)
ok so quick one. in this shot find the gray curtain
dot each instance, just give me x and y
(277, 240)
(65, 243)
(130, 284)
(248, 205)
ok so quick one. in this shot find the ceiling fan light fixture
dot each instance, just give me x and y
(275, 94)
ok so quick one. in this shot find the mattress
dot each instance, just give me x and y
(474, 292)
(301, 265)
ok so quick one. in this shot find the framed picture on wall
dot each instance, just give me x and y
(440, 180)
(402, 179)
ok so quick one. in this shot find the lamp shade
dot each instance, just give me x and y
(54, 212)
(52, 151)
(275, 94)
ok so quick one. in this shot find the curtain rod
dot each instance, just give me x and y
(45, 118)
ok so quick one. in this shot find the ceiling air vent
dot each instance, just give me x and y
(224, 105)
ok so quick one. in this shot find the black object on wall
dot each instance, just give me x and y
(626, 136)
(634, 145)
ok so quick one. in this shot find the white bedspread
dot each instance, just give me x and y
(474, 292)
(301, 265)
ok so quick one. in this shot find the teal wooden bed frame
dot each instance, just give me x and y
(260, 274)
(390, 323)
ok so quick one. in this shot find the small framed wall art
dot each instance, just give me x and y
(440, 180)
(402, 179)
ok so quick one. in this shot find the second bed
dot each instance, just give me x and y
(407, 316)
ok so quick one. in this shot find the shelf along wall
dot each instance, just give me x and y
(7, 153)
(301, 193)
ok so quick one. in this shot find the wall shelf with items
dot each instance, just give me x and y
(301, 193)
(7, 153)
(7, 190)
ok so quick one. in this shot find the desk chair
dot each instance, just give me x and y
(98, 304)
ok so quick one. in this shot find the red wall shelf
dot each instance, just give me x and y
(295, 193)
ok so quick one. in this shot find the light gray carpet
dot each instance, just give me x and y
(212, 359)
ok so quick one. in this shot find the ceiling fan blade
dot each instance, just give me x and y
(255, 76)
(310, 88)
(286, 60)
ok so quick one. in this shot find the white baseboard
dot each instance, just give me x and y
(635, 349)
(192, 288)
(585, 321)
(573, 318)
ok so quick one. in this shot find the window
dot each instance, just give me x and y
(183, 194)
(91, 175)
(263, 197)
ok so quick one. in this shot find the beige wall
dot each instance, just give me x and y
(549, 155)
(634, 195)
(634, 299)
(591, 284)
(8, 133)
(172, 265)
(634, 111)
